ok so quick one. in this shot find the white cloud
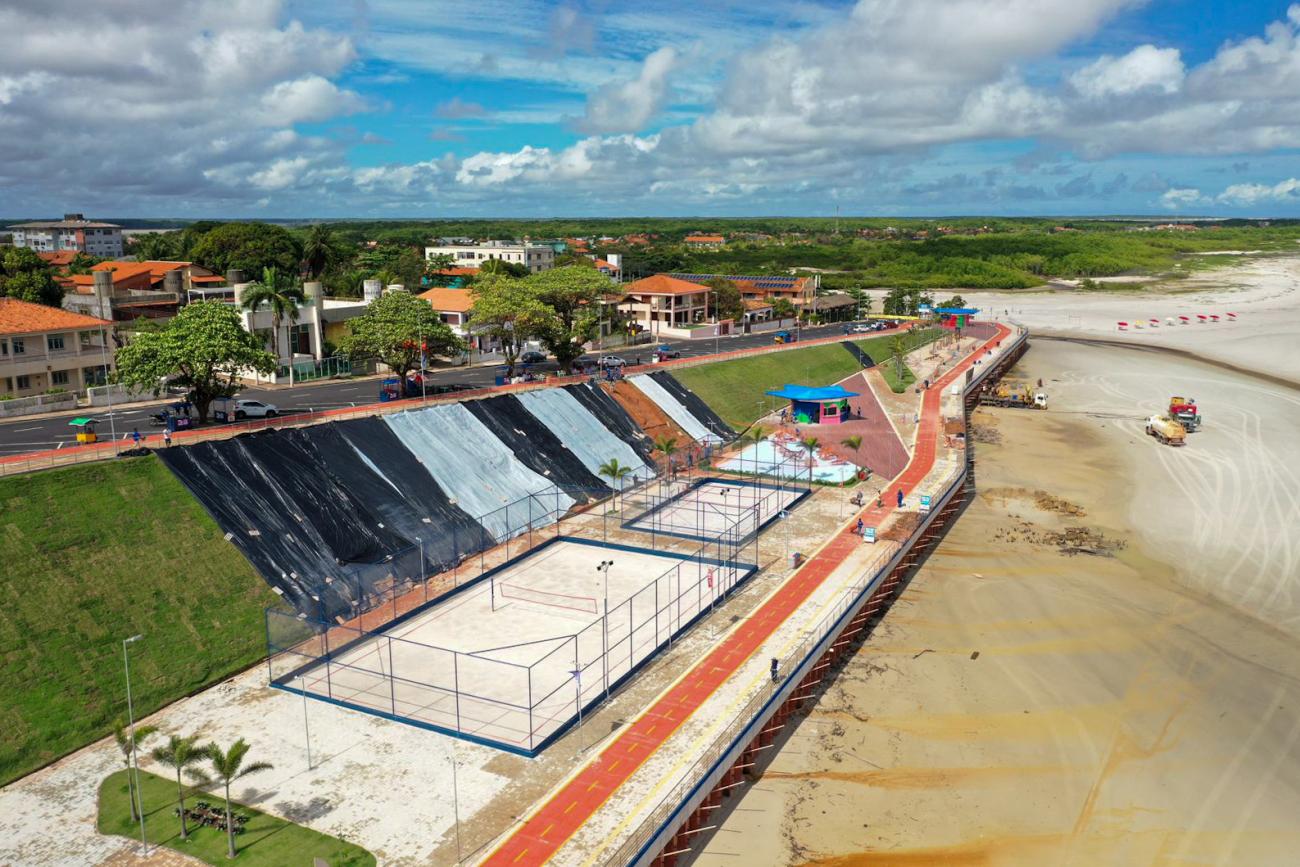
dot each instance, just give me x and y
(1181, 197)
(1144, 68)
(1253, 194)
(630, 105)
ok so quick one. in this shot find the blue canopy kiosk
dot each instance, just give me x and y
(829, 405)
(956, 317)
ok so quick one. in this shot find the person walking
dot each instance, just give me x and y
(135, 437)
(858, 529)
(167, 437)
(900, 498)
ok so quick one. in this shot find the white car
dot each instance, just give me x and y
(254, 409)
(860, 328)
(611, 361)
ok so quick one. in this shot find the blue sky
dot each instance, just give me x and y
(412, 108)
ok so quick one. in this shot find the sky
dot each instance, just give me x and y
(523, 108)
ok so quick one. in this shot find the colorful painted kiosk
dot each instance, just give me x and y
(956, 317)
(828, 405)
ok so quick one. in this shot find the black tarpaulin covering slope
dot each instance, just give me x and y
(370, 461)
(856, 351)
(535, 445)
(613, 417)
(694, 405)
(263, 520)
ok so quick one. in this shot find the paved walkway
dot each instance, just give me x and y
(540, 836)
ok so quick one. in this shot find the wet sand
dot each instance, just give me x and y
(1026, 704)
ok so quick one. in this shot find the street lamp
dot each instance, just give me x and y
(455, 799)
(135, 760)
(306, 731)
(604, 630)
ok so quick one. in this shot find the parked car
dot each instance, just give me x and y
(237, 410)
(611, 361)
(666, 351)
(532, 356)
(858, 328)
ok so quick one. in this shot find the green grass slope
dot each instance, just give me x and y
(94, 554)
(735, 389)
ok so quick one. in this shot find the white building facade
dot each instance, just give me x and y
(73, 232)
(534, 257)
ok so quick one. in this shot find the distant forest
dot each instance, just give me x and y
(859, 253)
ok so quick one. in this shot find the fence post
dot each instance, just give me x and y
(392, 676)
(455, 683)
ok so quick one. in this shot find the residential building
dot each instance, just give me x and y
(452, 307)
(73, 232)
(665, 301)
(799, 291)
(42, 348)
(611, 266)
(153, 289)
(534, 257)
(705, 241)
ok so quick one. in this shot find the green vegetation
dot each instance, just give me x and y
(23, 275)
(857, 253)
(735, 389)
(400, 330)
(266, 840)
(204, 348)
(99, 553)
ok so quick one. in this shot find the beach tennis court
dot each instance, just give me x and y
(496, 661)
(713, 507)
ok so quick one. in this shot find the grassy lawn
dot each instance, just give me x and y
(735, 389)
(94, 554)
(879, 348)
(266, 840)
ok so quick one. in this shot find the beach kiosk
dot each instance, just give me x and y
(828, 405)
(956, 317)
(85, 429)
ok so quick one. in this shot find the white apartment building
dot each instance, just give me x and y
(73, 232)
(535, 257)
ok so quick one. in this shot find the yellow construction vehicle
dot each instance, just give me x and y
(1166, 430)
(1013, 394)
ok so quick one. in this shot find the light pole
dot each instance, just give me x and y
(604, 626)
(306, 731)
(135, 761)
(455, 799)
(103, 354)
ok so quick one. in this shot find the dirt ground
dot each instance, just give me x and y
(1047, 691)
(649, 417)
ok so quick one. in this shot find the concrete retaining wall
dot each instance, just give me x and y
(38, 403)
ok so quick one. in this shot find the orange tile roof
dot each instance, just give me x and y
(160, 268)
(755, 304)
(58, 258)
(124, 270)
(662, 284)
(23, 317)
(446, 300)
(704, 239)
(601, 263)
(207, 278)
(458, 271)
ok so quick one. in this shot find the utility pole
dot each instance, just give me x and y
(135, 759)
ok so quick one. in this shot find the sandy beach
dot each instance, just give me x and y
(1028, 703)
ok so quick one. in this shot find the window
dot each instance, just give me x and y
(24, 383)
(54, 342)
(59, 377)
(4, 348)
(18, 345)
(300, 340)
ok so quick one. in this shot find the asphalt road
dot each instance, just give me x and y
(37, 433)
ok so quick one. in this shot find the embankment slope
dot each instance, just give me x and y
(92, 555)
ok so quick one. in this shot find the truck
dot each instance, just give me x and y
(1011, 394)
(1167, 430)
(1183, 410)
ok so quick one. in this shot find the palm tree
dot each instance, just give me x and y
(318, 250)
(898, 347)
(128, 743)
(854, 442)
(277, 293)
(810, 445)
(615, 472)
(667, 446)
(228, 766)
(181, 754)
(752, 435)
